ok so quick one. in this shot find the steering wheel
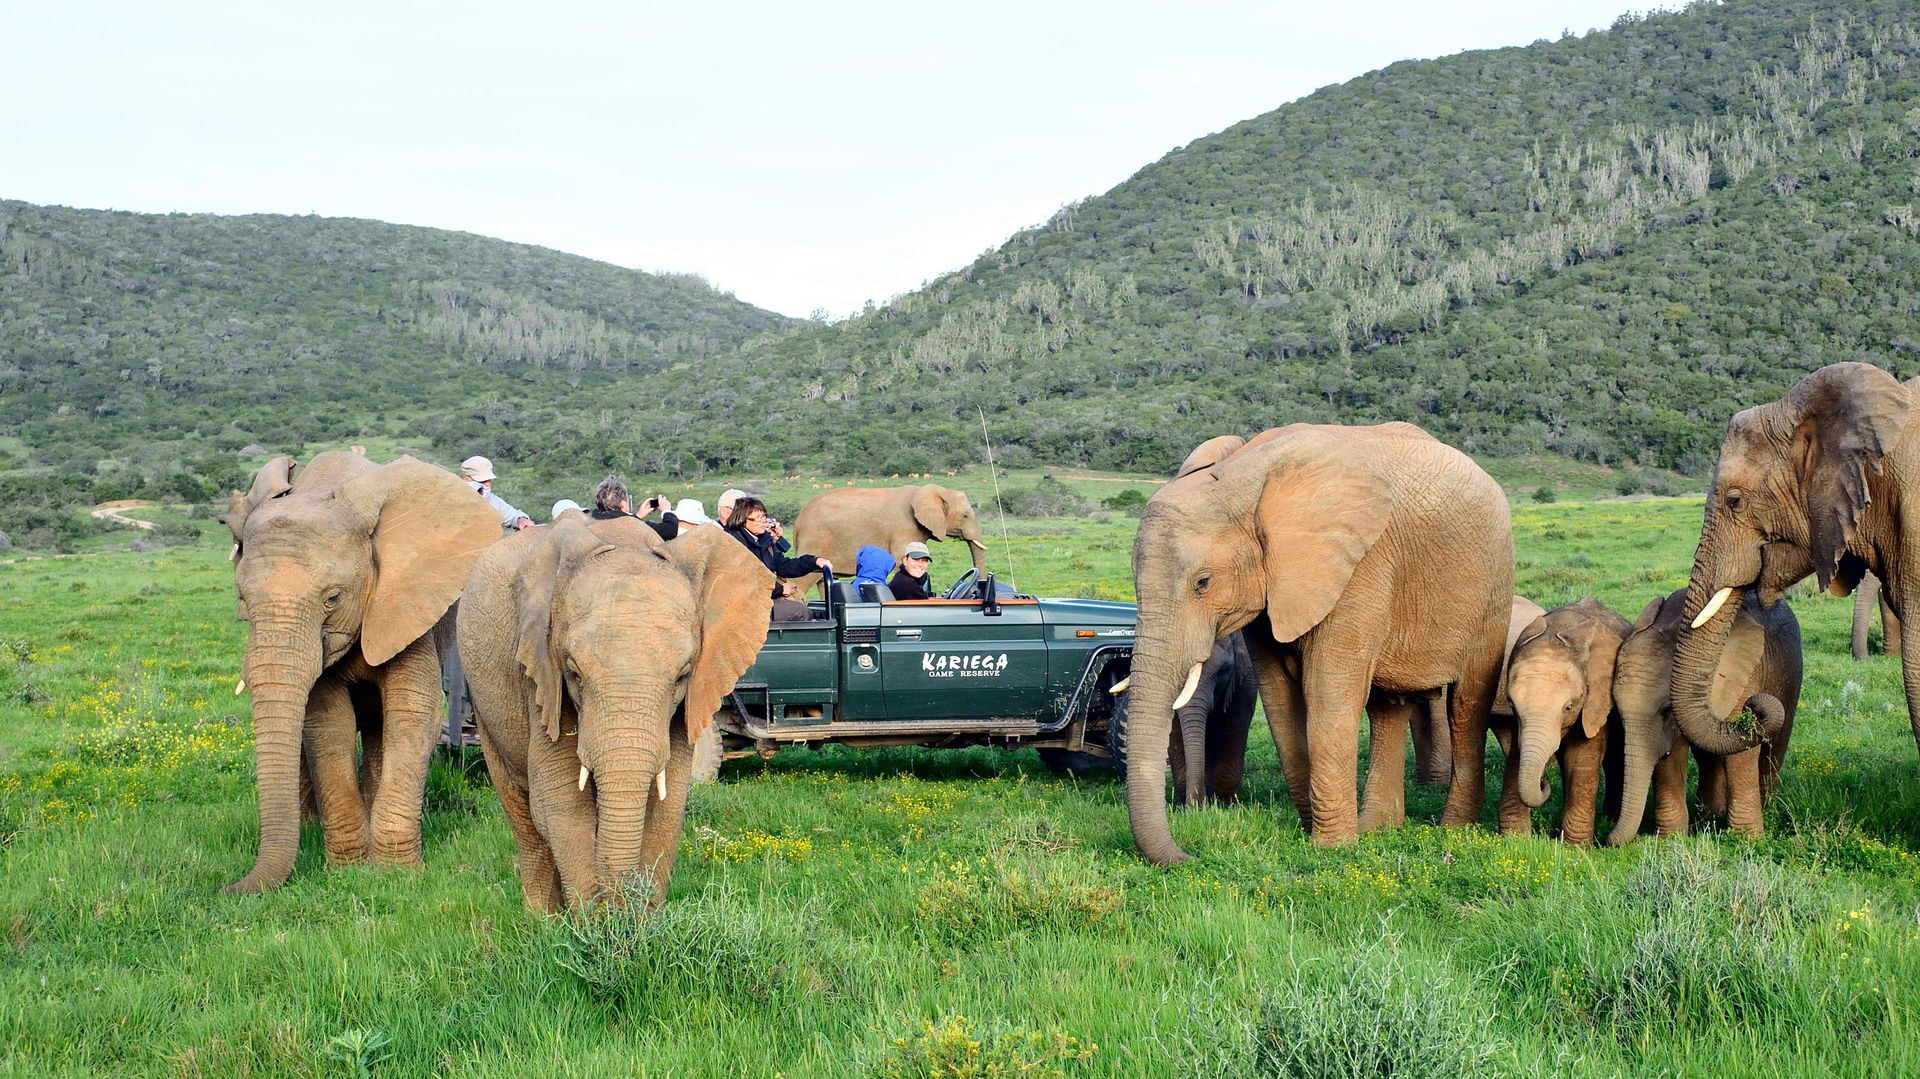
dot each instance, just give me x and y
(964, 587)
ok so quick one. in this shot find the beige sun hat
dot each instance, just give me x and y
(691, 511)
(477, 468)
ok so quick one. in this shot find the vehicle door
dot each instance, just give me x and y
(949, 659)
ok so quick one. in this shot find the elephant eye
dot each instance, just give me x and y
(1200, 585)
(333, 599)
(1733, 499)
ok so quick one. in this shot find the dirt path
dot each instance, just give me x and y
(110, 511)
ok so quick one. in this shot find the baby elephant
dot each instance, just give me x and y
(1560, 679)
(1215, 721)
(598, 656)
(1759, 670)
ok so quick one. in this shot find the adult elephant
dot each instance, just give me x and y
(597, 656)
(1867, 596)
(838, 523)
(1560, 681)
(1757, 670)
(1333, 547)
(1825, 481)
(342, 567)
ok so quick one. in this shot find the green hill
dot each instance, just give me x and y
(1597, 247)
(140, 352)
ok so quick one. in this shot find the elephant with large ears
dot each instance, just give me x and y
(1560, 681)
(597, 656)
(836, 524)
(343, 567)
(1359, 560)
(1825, 481)
(1758, 670)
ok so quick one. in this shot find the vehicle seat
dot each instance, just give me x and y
(844, 593)
(875, 593)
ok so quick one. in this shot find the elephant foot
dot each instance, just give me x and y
(1521, 824)
(1577, 839)
(405, 856)
(352, 853)
(1328, 835)
(1374, 820)
(1460, 818)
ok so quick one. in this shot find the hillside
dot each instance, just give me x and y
(1599, 247)
(140, 352)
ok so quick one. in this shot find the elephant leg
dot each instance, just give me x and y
(539, 881)
(1613, 767)
(1227, 745)
(1713, 783)
(1774, 759)
(563, 813)
(1580, 765)
(1742, 771)
(1890, 629)
(1337, 679)
(328, 742)
(410, 709)
(309, 801)
(1670, 792)
(1385, 802)
(1515, 817)
(1470, 706)
(660, 836)
(372, 751)
(1286, 708)
(1177, 763)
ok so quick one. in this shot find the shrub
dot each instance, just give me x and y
(1130, 501)
(1018, 892)
(1629, 484)
(953, 1048)
(1048, 498)
(1544, 493)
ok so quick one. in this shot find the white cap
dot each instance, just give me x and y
(728, 497)
(561, 507)
(477, 468)
(691, 511)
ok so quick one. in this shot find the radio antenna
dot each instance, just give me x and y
(1006, 549)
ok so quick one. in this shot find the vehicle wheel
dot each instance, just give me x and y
(707, 755)
(1117, 734)
(1068, 762)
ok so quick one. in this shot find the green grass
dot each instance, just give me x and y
(902, 912)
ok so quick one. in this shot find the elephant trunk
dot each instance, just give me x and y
(1696, 657)
(1538, 743)
(1773, 714)
(1155, 676)
(628, 750)
(1193, 744)
(1639, 755)
(979, 552)
(282, 664)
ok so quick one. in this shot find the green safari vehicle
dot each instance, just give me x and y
(985, 665)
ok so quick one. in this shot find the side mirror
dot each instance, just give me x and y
(989, 591)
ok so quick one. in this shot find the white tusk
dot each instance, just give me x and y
(583, 777)
(660, 784)
(239, 687)
(1186, 691)
(1712, 608)
(233, 554)
(978, 544)
(1121, 686)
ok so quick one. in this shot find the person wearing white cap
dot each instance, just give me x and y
(691, 513)
(478, 472)
(910, 580)
(561, 507)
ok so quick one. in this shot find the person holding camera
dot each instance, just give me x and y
(611, 500)
(750, 524)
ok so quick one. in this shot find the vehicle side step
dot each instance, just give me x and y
(808, 732)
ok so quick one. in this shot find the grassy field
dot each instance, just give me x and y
(910, 913)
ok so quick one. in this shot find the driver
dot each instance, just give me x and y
(911, 580)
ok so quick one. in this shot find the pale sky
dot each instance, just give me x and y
(800, 156)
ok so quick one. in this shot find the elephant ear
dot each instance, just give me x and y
(734, 594)
(1648, 615)
(930, 510)
(1209, 453)
(1734, 677)
(560, 546)
(1846, 418)
(427, 530)
(1321, 509)
(1603, 651)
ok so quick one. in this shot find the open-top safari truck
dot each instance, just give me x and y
(984, 665)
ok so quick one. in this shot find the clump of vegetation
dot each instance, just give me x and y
(1048, 498)
(954, 1047)
(1018, 891)
(1544, 494)
(1131, 502)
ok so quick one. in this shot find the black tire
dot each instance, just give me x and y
(1070, 763)
(1117, 734)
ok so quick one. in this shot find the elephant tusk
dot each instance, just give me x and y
(1186, 691)
(583, 777)
(1121, 686)
(234, 554)
(978, 544)
(660, 784)
(239, 687)
(1712, 608)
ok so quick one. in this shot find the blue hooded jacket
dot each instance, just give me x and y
(872, 565)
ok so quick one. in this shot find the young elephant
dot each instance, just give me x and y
(1560, 678)
(1216, 720)
(597, 657)
(1758, 669)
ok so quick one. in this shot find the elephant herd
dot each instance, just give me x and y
(1332, 572)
